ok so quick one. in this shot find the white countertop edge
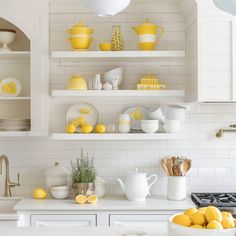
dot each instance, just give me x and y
(13, 217)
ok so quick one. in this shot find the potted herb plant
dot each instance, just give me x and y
(83, 175)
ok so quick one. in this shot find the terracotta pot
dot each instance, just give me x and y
(83, 188)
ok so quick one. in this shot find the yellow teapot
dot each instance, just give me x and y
(148, 35)
(79, 29)
(77, 83)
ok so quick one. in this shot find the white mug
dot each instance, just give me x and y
(177, 188)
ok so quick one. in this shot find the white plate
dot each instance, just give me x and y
(137, 114)
(75, 112)
(17, 84)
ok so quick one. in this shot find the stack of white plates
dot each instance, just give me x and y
(15, 124)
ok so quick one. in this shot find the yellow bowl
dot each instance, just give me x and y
(105, 46)
(77, 83)
(81, 43)
(147, 46)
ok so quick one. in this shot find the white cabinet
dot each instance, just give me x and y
(63, 220)
(139, 220)
(8, 223)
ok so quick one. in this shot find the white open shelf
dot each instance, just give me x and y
(15, 133)
(118, 93)
(118, 54)
(14, 55)
(117, 136)
(14, 98)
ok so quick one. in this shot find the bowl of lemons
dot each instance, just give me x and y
(206, 221)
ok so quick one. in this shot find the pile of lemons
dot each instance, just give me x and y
(82, 199)
(205, 218)
(86, 128)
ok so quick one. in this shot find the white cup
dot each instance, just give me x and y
(156, 114)
(124, 123)
(172, 126)
(177, 188)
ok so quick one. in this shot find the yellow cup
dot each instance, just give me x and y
(80, 42)
(147, 46)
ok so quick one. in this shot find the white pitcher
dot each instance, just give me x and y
(136, 186)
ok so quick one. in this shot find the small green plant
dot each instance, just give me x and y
(83, 170)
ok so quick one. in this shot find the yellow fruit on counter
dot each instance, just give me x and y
(100, 128)
(70, 129)
(86, 129)
(228, 222)
(81, 199)
(92, 199)
(197, 226)
(202, 209)
(213, 213)
(182, 220)
(39, 193)
(190, 211)
(226, 214)
(214, 224)
(198, 218)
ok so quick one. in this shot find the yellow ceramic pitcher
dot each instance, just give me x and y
(149, 34)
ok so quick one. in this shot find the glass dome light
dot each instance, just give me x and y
(106, 7)
(226, 5)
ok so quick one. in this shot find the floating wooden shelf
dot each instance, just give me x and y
(14, 98)
(117, 136)
(118, 93)
(14, 55)
(140, 55)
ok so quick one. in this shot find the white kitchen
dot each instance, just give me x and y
(118, 117)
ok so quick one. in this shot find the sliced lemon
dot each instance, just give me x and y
(81, 199)
(84, 111)
(92, 199)
(6, 89)
(12, 87)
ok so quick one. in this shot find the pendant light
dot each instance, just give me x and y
(226, 5)
(106, 7)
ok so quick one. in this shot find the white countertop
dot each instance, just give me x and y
(96, 231)
(110, 203)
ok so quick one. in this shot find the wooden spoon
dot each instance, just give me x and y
(163, 163)
(184, 167)
(170, 167)
(176, 170)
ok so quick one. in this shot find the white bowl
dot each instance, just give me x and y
(178, 230)
(150, 126)
(113, 75)
(7, 37)
(176, 112)
(156, 114)
(61, 192)
(172, 126)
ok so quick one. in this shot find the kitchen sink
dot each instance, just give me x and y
(7, 205)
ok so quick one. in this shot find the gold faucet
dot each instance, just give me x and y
(8, 183)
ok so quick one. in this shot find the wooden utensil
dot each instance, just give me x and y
(163, 163)
(170, 167)
(184, 167)
(176, 170)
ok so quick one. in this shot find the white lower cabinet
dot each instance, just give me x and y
(139, 220)
(63, 220)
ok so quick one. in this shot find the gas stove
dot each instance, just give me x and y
(224, 201)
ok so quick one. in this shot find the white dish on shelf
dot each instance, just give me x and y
(7, 36)
(115, 74)
(137, 114)
(150, 126)
(75, 112)
(6, 82)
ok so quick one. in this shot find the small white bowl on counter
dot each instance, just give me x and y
(60, 192)
(150, 126)
(178, 230)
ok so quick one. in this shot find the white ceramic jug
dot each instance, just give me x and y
(136, 186)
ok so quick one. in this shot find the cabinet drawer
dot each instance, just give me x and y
(137, 220)
(63, 220)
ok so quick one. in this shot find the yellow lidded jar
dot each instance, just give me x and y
(80, 28)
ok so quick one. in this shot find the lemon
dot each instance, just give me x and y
(12, 87)
(228, 222)
(213, 213)
(6, 89)
(100, 128)
(190, 211)
(39, 193)
(81, 199)
(92, 199)
(197, 226)
(182, 220)
(86, 129)
(214, 224)
(226, 214)
(198, 218)
(203, 209)
(70, 128)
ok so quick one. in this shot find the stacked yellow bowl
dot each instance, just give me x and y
(77, 83)
(80, 36)
(150, 82)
